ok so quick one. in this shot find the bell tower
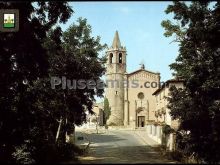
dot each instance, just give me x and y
(116, 68)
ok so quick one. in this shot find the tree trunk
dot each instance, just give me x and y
(58, 130)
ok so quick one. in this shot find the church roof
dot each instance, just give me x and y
(142, 69)
(116, 44)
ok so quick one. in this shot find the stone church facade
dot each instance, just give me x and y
(130, 97)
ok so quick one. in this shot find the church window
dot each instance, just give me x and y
(141, 95)
(110, 58)
(116, 92)
(120, 58)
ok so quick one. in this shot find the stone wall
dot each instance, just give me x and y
(155, 132)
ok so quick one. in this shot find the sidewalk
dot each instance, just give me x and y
(143, 135)
(82, 139)
(82, 136)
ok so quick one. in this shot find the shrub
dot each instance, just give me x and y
(167, 129)
(68, 151)
(176, 155)
(21, 155)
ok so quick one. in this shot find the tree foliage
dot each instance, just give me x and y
(30, 109)
(107, 110)
(198, 62)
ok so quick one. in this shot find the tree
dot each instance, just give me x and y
(107, 110)
(197, 106)
(23, 63)
(76, 58)
(31, 112)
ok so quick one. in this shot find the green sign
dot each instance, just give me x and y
(9, 20)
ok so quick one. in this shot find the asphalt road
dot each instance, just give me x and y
(120, 146)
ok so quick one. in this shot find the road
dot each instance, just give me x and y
(120, 146)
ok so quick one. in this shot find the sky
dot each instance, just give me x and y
(140, 31)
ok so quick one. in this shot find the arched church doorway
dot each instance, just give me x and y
(141, 121)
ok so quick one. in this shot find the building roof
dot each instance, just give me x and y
(100, 105)
(142, 69)
(176, 80)
(116, 44)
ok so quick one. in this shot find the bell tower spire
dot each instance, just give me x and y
(116, 68)
(116, 44)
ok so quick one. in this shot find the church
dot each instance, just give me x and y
(132, 103)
